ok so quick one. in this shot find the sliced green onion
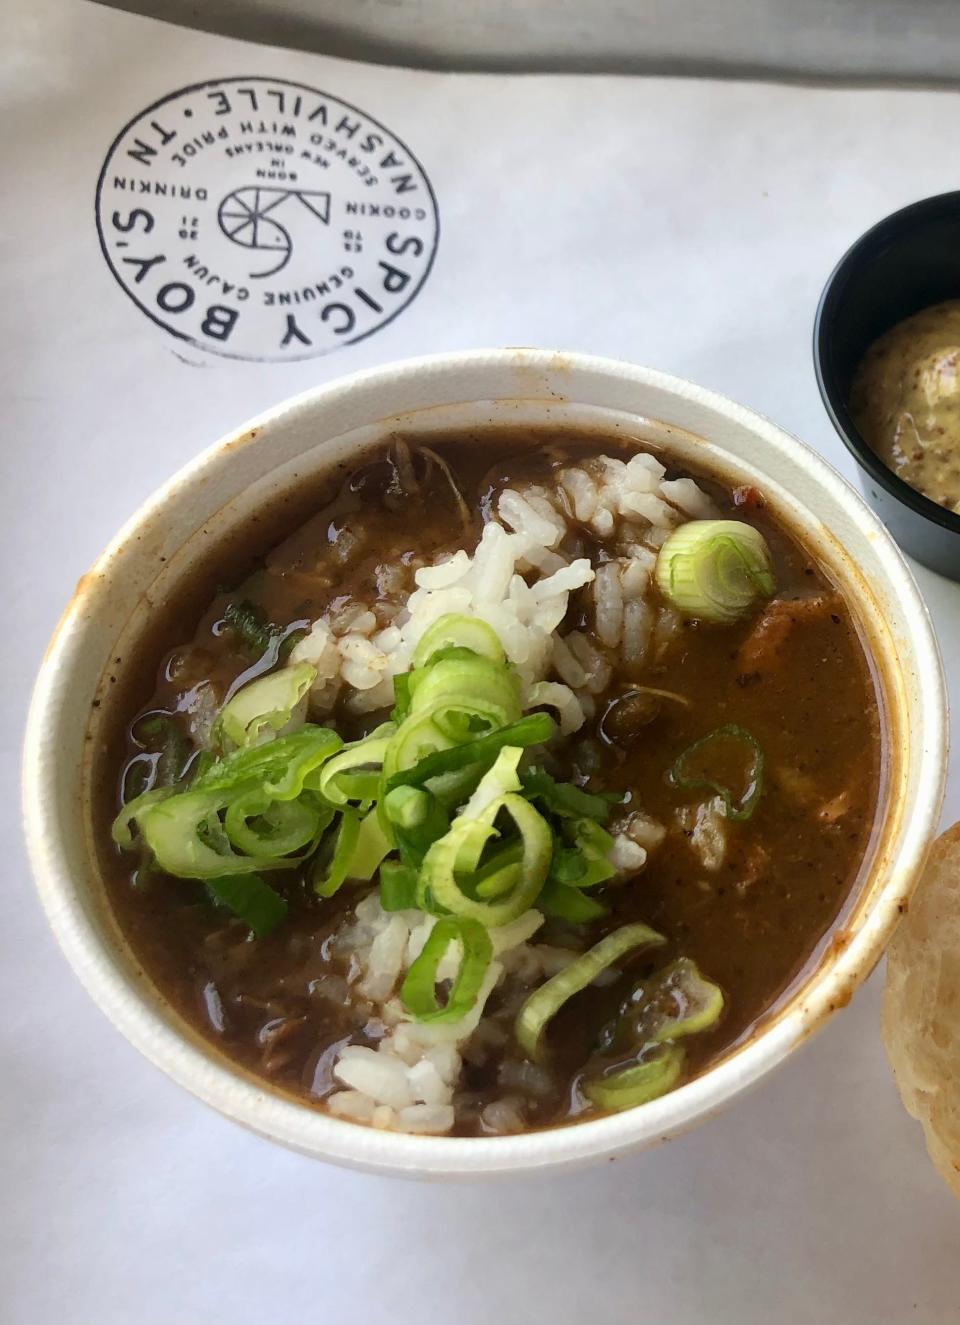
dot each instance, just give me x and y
(414, 842)
(264, 706)
(715, 570)
(545, 1002)
(259, 635)
(187, 839)
(408, 683)
(139, 776)
(204, 761)
(417, 738)
(183, 828)
(290, 637)
(121, 829)
(677, 1002)
(568, 866)
(535, 729)
(174, 749)
(401, 697)
(418, 992)
(631, 1086)
(420, 753)
(358, 853)
(461, 632)
(407, 807)
(681, 775)
(282, 768)
(569, 903)
(398, 886)
(371, 847)
(251, 900)
(268, 814)
(449, 702)
(464, 696)
(564, 799)
(247, 622)
(459, 852)
(498, 780)
(587, 862)
(259, 826)
(592, 846)
(500, 874)
(354, 773)
(325, 884)
(674, 1003)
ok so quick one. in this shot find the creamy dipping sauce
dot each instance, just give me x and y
(905, 400)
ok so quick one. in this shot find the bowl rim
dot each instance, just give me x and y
(834, 400)
(209, 1076)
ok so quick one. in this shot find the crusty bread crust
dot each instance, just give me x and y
(921, 1006)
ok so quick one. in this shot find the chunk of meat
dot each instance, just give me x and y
(763, 647)
(274, 1038)
(802, 788)
(756, 867)
(806, 791)
(705, 828)
(833, 810)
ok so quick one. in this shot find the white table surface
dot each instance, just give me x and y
(688, 225)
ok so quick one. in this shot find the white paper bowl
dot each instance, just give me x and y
(155, 551)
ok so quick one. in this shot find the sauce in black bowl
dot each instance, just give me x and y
(907, 262)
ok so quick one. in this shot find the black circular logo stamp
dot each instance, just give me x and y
(263, 219)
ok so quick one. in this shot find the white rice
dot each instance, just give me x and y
(608, 604)
(415, 1066)
(519, 580)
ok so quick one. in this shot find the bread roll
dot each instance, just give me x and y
(921, 1006)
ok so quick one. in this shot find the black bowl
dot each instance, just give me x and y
(906, 262)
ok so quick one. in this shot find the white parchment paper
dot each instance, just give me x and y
(685, 224)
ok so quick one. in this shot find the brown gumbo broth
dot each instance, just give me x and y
(793, 673)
